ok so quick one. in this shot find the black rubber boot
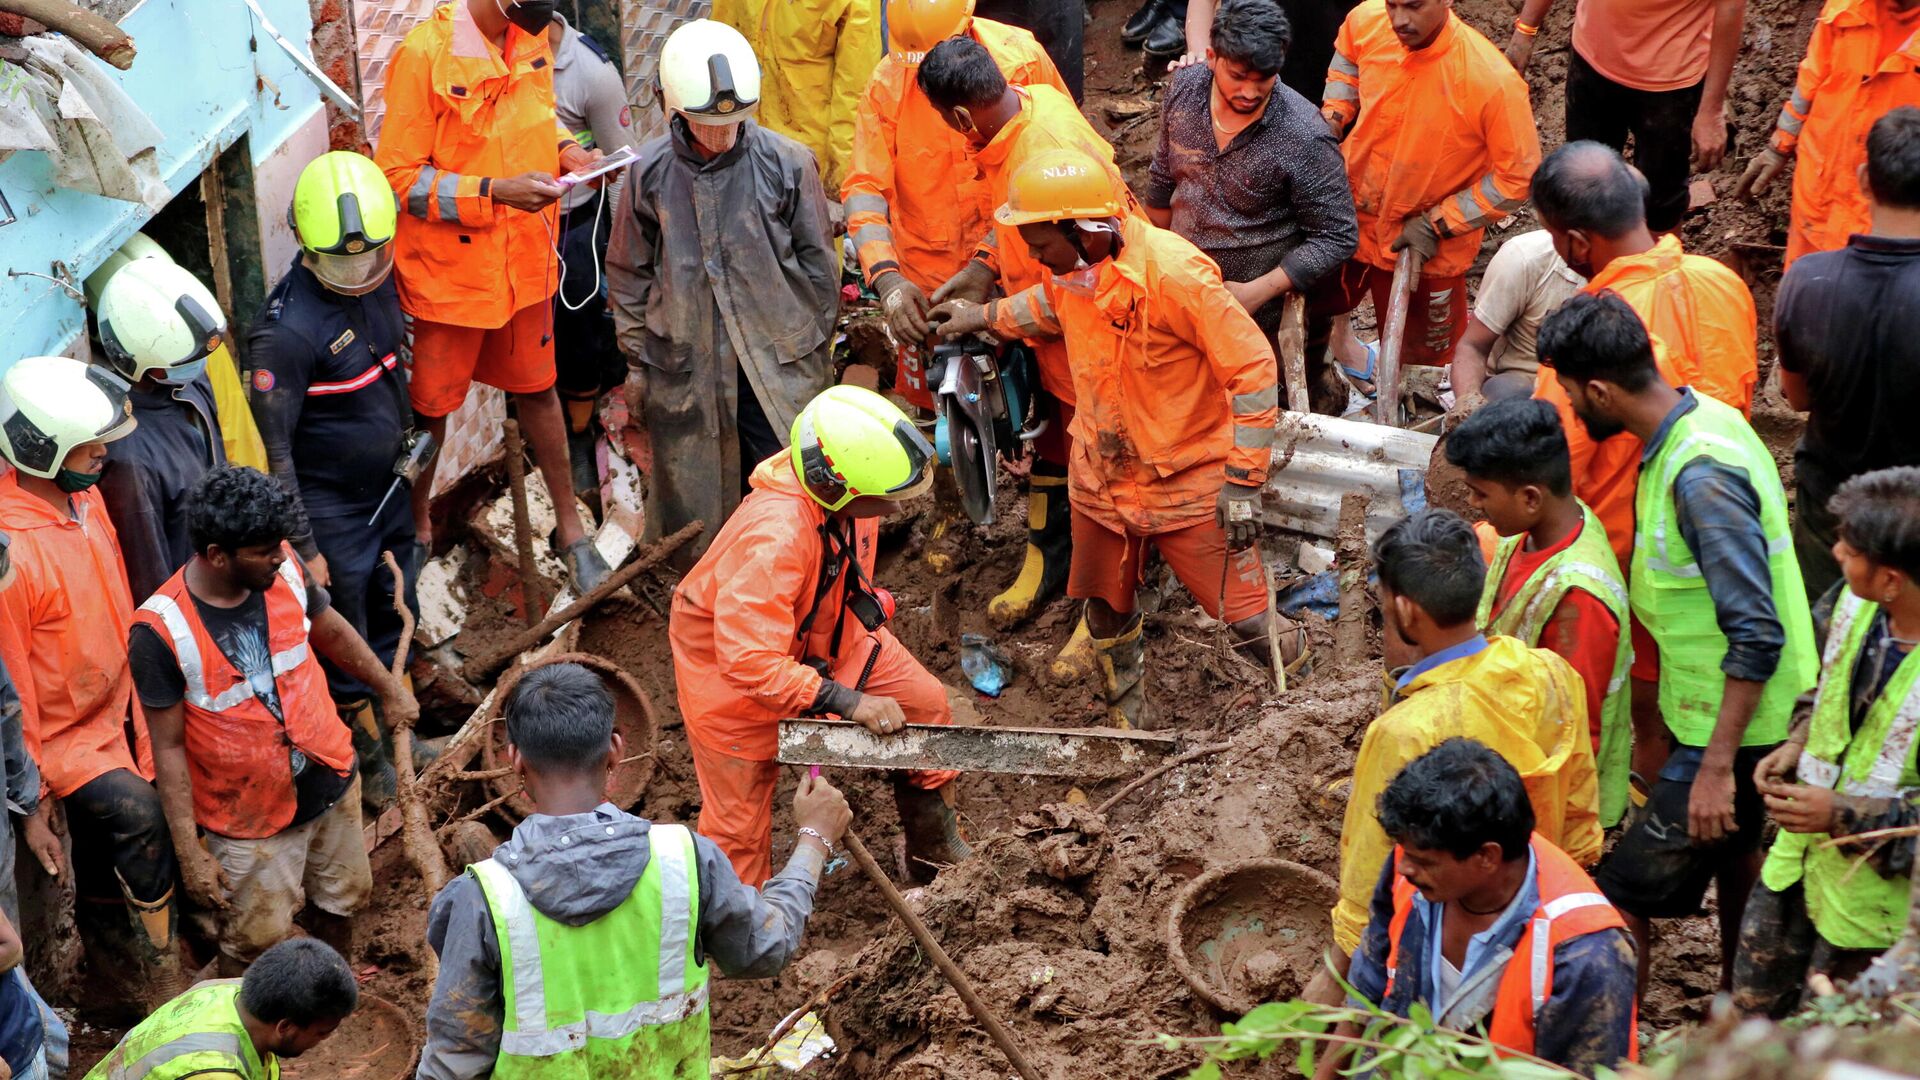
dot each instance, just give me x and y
(378, 782)
(931, 827)
(1166, 43)
(1142, 22)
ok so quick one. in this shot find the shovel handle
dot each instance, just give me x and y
(1393, 332)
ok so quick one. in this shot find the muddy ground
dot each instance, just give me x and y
(1061, 916)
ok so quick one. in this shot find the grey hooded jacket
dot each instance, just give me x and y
(574, 869)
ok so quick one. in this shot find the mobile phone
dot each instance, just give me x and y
(619, 159)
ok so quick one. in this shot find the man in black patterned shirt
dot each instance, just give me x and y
(1247, 170)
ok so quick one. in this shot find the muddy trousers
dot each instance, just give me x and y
(1780, 948)
(119, 834)
(736, 793)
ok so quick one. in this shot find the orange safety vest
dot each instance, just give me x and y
(1700, 308)
(1570, 906)
(237, 752)
(1842, 87)
(1048, 120)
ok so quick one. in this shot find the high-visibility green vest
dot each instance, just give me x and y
(198, 1032)
(1853, 908)
(620, 997)
(1670, 597)
(1587, 564)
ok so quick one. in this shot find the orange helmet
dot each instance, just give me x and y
(914, 26)
(1058, 185)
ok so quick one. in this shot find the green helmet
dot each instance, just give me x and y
(345, 214)
(850, 441)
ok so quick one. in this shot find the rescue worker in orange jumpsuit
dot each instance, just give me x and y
(63, 637)
(917, 205)
(1178, 397)
(1699, 312)
(471, 144)
(1700, 317)
(781, 618)
(1444, 146)
(1004, 126)
(1862, 63)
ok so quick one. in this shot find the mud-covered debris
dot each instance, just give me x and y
(1069, 840)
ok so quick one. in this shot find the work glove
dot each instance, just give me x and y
(1761, 172)
(973, 282)
(1238, 512)
(904, 306)
(958, 318)
(1418, 234)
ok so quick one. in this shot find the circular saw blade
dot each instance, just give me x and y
(973, 463)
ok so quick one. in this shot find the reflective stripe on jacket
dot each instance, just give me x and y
(621, 997)
(1176, 386)
(63, 638)
(459, 113)
(1527, 705)
(237, 750)
(916, 202)
(1841, 89)
(815, 57)
(1851, 906)
(197, 1033)
(1570, 906)
(1445, 131)
(1588, 565)
(1048, 120)
(1670, 596)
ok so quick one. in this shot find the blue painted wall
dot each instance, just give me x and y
(206, 76)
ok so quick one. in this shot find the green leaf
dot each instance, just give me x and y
(1207, 1071)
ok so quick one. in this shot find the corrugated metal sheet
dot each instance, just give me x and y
(1317, 459)
(644, 24)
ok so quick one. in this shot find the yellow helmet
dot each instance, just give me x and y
(914, 26)
(850, 441)
(1058, 185)
(345, 215)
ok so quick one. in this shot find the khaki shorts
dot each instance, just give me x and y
(323, 861)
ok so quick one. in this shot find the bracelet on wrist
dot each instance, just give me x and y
(808, 830)
(1523, 28)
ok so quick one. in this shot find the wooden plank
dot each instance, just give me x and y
(1087, 753)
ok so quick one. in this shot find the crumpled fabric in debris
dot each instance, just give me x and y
(56, 99)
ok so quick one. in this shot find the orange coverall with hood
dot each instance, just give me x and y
(1048, 120)
(1701, 318)
(1853, 74)
(63, 634)
(1445, 131)
(459, 115)
(1178, 390)
(916, 202)
(739, 661)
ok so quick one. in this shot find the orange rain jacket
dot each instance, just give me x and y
(1444, 131)
(1842, 88)
(1177, 387)
(63, 635)
(1048, 120)
(459, 115)
(1702, 321)
(915, 200)
(737, 657)
(815, 55)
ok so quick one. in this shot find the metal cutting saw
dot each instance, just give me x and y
(985, 406)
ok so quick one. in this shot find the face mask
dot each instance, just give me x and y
(184, 374)
(533, 16)
(73, 483)
(714, 138)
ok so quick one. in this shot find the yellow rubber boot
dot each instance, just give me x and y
(1043, 574)
(166, 977)
(942, 551)
(1123, 666)
(1077, 659)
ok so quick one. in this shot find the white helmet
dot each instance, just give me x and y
(154, 315)
(708, 73)
(51, 404)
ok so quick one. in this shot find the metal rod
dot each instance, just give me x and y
(963, 986)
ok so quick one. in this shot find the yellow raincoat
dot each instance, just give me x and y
(1526, 703)
(815, 59)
